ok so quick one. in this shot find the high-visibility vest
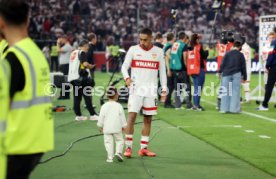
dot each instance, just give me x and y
(221, 53)
(54, 52)
(229, 46)
(3, 46)
(4, 103)
(193, 61)
(30, 121)
(167, 46)
(176, 58)
(114, 50)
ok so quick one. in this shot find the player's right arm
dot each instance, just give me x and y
(126, 66)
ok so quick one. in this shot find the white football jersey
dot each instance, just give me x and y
(145, 65)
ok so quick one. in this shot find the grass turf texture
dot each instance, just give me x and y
(204, 145)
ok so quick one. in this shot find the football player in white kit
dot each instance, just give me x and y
(246, 50)
(145, 61)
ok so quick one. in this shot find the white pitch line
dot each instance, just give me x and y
(249, 131)
(264, 137)
(183, 126)
(234, 126)
(259, 116)
(248, 113)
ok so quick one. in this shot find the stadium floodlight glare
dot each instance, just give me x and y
(217, 4)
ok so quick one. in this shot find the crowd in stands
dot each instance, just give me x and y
(122, 19)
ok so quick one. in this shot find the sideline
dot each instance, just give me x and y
(245, 112)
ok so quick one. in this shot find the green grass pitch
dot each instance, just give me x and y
(189, 144)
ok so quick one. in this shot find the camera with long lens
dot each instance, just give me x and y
(226, 36)
(173, 14)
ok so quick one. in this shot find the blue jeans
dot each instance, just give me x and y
(230, 92)
(198, 86)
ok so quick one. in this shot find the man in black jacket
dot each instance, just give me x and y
(92, 38)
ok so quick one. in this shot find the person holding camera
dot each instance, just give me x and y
(81, 80)
(233, 71)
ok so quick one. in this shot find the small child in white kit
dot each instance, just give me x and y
(111, 123)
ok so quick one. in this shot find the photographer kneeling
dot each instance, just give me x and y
(82, 82)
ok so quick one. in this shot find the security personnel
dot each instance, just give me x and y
(3, 45)
(112, 54)
(4, 103)
(30, 123)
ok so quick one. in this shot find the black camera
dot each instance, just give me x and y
(174, 14)
(239, 38)
(223, 37)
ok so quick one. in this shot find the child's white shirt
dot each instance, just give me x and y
(112, 118)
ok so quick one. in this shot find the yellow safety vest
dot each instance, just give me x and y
(114, 50)
(30, 121)
(54, 52)
(3, 45)
(4, 103)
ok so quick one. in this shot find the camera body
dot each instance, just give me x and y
(174, 14)
(231, 36)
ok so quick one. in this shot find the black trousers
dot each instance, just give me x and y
(170, 85)
(269, 85)
(181, 78)
(65, 69)
(79, 92)
(54, 64)
(21, 166)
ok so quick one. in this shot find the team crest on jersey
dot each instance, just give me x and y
(154, 56)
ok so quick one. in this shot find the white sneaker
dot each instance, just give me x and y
(109, 160)
(181, 108)
(94, 118)
(81, 118)
(262, 108)
(119, 157)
